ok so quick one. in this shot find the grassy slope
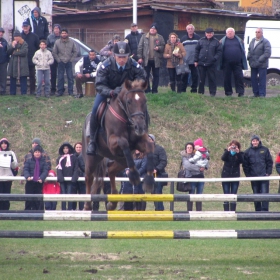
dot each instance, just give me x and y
(175, 119)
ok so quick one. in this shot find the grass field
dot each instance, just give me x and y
(175, 119)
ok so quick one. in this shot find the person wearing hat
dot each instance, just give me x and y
(67, 166)
(39, 24)
(133, 40)
(108, 51)
(207, 53)
(4, 59)
(160, 162)
(18, 65)
(258, 162)
(64, 52)
(55, 35)
(35, 171)
(150, 54)
(8, 167)
(33, 43)
(109, 79)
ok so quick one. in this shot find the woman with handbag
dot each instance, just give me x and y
(174, 52)
(192, 171)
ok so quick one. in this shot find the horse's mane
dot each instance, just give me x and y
(138, 84)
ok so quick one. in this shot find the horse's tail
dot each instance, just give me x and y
(99, 174)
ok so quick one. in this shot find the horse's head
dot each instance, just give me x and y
(134, 101)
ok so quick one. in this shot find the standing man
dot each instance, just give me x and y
(150, 53)
(39, 24)
(33, 42)
(4, 59)
(133, 40)
(109, 79)
(232, 62)
(258, 163)
(160, 162)
(258, 54)
(64, 52)
(189, 42)
(50, 44)
(207, 53)
(88, 64)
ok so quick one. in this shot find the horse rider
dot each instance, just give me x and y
(109, 79)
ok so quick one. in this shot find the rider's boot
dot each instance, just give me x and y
(91, 149)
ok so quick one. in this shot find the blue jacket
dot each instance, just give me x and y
(4, 57)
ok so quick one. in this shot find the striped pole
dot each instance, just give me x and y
(142, 216)
(191, 234)
(142, 197)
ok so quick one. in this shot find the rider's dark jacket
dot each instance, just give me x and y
(109, 76)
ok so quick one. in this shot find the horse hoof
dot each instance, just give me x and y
(111, 206)
(87, 207)
(148, 184)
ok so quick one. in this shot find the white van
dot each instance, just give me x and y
(271, 31)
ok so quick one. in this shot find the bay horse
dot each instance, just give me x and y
(125, 129)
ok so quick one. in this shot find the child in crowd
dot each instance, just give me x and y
(43, 59)
(201, 156)
(35, 171)
(67, 167)
(51, 187)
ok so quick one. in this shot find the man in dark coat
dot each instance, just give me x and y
(207, 53)
(4, 59)
(160, 162)
(258, 163)
(111, 75)
(33, 42)
(39, 24)
(133, 40)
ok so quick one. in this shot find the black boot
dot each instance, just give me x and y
(172, 86)
(189, 205)
(91, 149)
(179, 87)
(226, 206)
(232, 206)
(198, 205)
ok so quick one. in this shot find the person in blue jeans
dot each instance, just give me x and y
(193, 171)
(232, 158)
(160, 162)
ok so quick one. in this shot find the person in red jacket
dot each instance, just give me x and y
(51, 187)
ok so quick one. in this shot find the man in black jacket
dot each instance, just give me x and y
(109, 79)
(133, 40)
(160, 162)
(33, 42)
(258, 163)
(207, 53)
(4, 59)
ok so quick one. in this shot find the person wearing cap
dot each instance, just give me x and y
(85, 70)
(33, 43)
(67, 166)
(8, 167)
(233, 61)
(174, 53)
(64, 52)
(259, 52)
(207, 53)
(35, 171)
(258, 162)
(4, 59)
(109, 79)
(150, 54)
(108, 50)
(189, 42)
(133, 40)
(55, 35)
(39, 24)
(18, 65)
(160, 162)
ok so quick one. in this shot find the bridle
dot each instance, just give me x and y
(125, 108)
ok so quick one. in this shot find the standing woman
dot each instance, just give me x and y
(174, 53)
(193, 171)
(8, 167)
(232, 158)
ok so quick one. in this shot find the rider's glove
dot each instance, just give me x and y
(115, 92)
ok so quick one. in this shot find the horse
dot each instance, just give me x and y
(124, 129)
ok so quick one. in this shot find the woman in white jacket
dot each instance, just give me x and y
(43, 59)
(8, 167)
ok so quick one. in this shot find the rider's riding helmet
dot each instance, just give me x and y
(121, 48)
